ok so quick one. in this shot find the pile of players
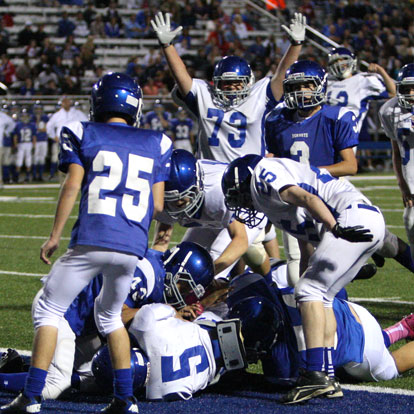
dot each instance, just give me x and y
(177, 304)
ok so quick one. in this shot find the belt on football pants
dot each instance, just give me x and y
(365, 206)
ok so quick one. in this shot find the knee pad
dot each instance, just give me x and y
(106, 321)
(47, 313)
(409, 223)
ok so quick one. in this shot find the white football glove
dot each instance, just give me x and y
(163, 30)
(296, 29)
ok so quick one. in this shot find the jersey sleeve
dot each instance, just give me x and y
(163, 170)
(345, 131)
(385, 118)
(270, 179)
(148, 315)
(70, 144)
(376, 87)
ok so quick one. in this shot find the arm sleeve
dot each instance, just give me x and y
(386, 123)
(148, 315)
(164, 165)
(70, 144)
(345, 132)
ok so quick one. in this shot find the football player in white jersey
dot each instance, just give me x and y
(315, 207)
(194, 199)
(397, 119)
(231, 112)
(354, 89)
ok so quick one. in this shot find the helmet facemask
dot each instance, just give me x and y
(181, 284)
(342, 66)
(296, 98)
(241, 202)
(405, 93)
(231, 98)
(192, 198)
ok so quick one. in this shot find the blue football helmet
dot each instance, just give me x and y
(235, 185)
(119, 94)
(230, 69)
(184, 192)
(102, 369)
(189, 270)
(37, 107)
(307, 73)
(405, 82)
(261, 322)
(341, 62)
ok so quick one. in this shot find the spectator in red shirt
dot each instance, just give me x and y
(7, 70)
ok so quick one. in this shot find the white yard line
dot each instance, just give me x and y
(16, 236)
(378, 390)
(29, 186)
(8, 272)
(34, 216)
(371, 178)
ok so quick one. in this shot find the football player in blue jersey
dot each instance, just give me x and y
(231, 112)
(194, 199)
(158, 119)
(120, 171)
(40, 119)
(320, 211)
(24, 140)
(361, 348)
(182, 131)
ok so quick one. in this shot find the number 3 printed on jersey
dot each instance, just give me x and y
(107, 205)
(237, 119)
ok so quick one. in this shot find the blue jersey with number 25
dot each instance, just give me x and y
(121, 165)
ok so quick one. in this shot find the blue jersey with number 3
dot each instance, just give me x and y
(121, 165)
(316, 140)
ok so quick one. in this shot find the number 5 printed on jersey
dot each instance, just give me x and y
(172, 371)
(237, 119)
(107, 205)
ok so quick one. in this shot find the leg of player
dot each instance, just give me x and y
(270, 241)
(292, 254)
(396, 248)
(401, 330)
(404, 357)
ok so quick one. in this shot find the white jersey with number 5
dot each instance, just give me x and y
(398, 124)
(355, 93)
(180, 352)
(228, 133)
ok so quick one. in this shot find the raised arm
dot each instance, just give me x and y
(389, 82)
(162, 28)
(296, 32)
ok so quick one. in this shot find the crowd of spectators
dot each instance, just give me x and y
(382, 32)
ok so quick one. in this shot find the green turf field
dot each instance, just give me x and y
(26, 217)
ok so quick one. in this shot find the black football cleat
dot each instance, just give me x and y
(378, 260)
(118, 406)
(11, 362)
(22, 404)
(310, 384)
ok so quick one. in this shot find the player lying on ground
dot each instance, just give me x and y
(361, 349)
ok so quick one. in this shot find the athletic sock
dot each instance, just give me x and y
(396, 332)
(35, 382)
(122, 383)
(329, 361)
(314, 359)
(406, 259)
(386, 337)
